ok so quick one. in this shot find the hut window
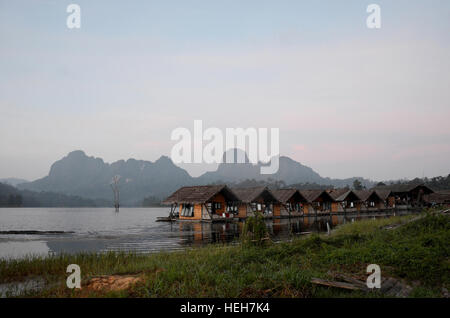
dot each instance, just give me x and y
(294, 206)
(351, 204)
(188, 210)
(256, 206)
(217, 205)
(232, 208)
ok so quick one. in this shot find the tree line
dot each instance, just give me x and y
(13, 197)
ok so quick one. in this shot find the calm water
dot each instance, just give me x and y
(101, 229)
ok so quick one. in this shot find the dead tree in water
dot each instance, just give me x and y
(115, 188)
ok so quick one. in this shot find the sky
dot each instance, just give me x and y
(348, 100)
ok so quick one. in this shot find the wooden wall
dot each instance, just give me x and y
(391, 201)
(242, 210)
(277, 209)
(219, 198)
(335, 206)
(197, 213)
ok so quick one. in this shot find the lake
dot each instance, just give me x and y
(132, 229)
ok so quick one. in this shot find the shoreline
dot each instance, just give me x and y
(415, 253)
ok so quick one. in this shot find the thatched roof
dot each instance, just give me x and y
(313, 195)
(349, 195)
(336, 193)
(200, 194)
(365, 195)
(384, 194)
(248, 195)
(284, 195)
(358, 195)
(439, 197)
(404, 188)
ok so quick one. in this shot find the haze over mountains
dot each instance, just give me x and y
(12, 181)
(290, 171)
(90, 177)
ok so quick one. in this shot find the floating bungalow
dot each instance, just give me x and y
(203, 203)
(407, 195)
(319, 201)
(256, 199)
(292, 202)
(370, 199)
(388, 198)
(346, 200)
(438, 198)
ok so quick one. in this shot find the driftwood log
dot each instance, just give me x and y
(389, 286)
(330, 283)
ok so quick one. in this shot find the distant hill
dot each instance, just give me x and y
(290, 172)
(12, 181)
(89, 177)
(436, 183)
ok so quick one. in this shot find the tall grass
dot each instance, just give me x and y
(255, 230)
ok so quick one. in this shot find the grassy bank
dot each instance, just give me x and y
(416, 252)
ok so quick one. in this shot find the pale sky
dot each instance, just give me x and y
(349, 101)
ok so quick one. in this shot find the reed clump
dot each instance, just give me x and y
(255, 231)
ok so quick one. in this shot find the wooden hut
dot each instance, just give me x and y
(208, 203)
(256, 199)
(441, 198)
(292, 203)
(371, 200)
(319, 201)
(408, 195)
(388, 198)
(346, 200)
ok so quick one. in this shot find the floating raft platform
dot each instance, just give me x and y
(166, 219)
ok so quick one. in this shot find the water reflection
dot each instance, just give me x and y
(196, 233)
(16, 249)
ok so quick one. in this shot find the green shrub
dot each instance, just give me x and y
(255, 230)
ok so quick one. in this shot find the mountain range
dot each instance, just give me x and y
(89, 177)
